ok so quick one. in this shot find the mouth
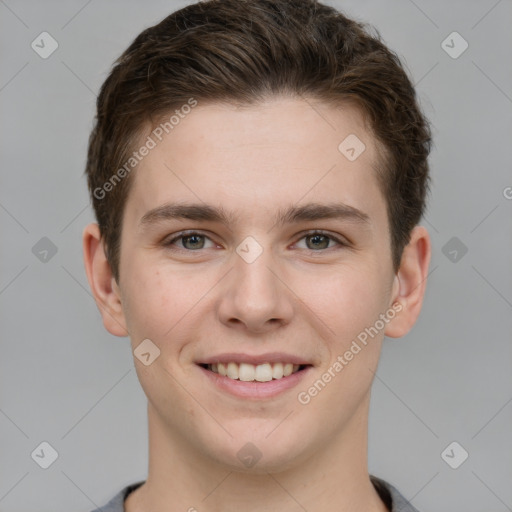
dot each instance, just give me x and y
(254, 378)
(254, 373)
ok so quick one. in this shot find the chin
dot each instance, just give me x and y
(259, 454)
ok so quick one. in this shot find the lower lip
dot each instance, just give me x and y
(258, 390)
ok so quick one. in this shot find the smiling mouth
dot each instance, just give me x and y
(255, 373)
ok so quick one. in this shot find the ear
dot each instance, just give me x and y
(103, 286)
(410, 283)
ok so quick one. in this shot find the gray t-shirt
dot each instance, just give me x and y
(389, 495)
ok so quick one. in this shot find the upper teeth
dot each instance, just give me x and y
(248, 372)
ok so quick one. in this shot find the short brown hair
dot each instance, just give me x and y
(242, 51)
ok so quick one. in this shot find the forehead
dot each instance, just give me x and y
(257, 158)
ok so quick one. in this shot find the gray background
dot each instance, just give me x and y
(65, 380)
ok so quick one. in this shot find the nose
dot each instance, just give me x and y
(254, 295)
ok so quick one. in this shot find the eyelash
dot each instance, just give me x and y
(169, 243)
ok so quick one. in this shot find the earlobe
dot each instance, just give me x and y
(104, 289)
(410, 283)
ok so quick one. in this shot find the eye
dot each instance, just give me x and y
(194, 241)
(189, 241)
(319, 240)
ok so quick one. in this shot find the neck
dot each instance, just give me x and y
(334, 478)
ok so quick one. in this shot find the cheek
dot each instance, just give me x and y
(346, 299)
(350, 305)
(163, 302)
(153, 306)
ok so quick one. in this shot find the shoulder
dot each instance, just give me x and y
(116, 504)
(391, 496)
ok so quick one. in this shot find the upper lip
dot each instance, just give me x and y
(256, 359)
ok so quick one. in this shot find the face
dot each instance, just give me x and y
(285, 259)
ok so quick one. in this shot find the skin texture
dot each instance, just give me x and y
(294, 298)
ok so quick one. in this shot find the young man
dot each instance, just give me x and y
(258, 170)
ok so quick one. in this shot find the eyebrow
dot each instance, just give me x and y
(290, 215)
